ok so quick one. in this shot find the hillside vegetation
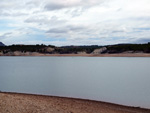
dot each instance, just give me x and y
(50, 49)
(145, 48)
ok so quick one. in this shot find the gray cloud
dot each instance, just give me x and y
(67, 29)
(52, 21)
(118, 31)
(52, 5)
(76, 12)
(36, 20)
(5, 35)
(54, 30)
(76, 28)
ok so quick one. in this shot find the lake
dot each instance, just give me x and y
(121, 80)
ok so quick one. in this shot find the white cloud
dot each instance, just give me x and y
(78, 21)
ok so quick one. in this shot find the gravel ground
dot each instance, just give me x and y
(27, 103)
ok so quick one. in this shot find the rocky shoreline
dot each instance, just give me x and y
(28, 103)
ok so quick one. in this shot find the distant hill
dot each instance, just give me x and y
(1, 44)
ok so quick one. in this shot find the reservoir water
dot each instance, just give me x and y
(120, 80)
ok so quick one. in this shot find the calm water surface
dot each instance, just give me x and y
(118, 80)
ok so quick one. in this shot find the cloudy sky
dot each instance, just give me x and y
(74, 22)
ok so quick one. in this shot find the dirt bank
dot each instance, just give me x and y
(17, 53)
(25, 103)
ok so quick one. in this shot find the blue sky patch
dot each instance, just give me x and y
(4, 25)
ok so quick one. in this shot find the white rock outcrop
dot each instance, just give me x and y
(99, 51)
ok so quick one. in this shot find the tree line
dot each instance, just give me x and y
(119, 48)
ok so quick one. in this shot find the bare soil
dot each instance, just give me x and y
(82, 55)
(27, 103)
